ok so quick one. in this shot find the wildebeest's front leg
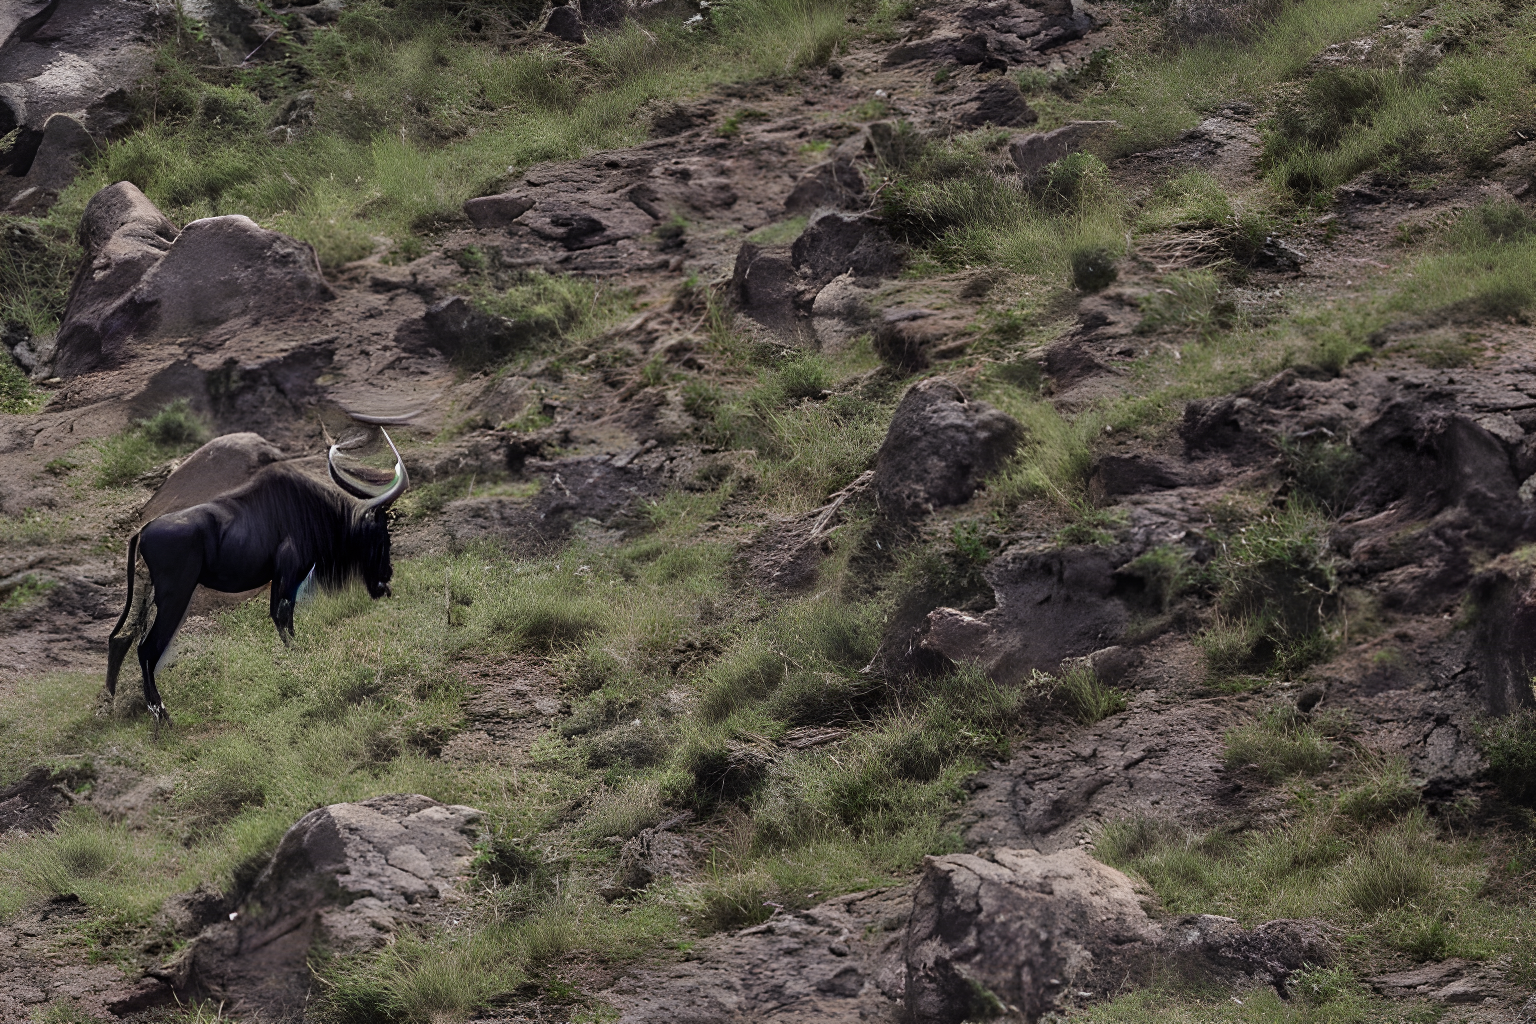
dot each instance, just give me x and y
(287, 576)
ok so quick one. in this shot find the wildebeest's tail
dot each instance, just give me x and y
(117, 646)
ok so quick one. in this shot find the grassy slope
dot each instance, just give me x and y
(371, 690)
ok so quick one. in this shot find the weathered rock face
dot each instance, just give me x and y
(124, 236)
(1024, 933)
(143, 278)
(220, 268)
(75, 57)
(1016, 933)
(1031, 153)
(346, 876)
(939, 449)
(830, 184)
(1051, 605)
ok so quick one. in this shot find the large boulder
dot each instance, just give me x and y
(1025, 934)
(344, 879)
(221, 268)
(124, 235)
(939, 448)
(1016, 933)
(64, 145)
(143, 278)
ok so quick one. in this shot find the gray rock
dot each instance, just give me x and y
(565, 23)
(500, 210)
(1033, 153)
(1052, 605)
(124, 236)
(344, 877)
(220, 268)
(1016, 933)
(1019, 931)
(840, 312)
(835, 243)
(939, 448)
(832, 183)
(74, 57)
(65, 143)
(142, 278)
(1000, 103)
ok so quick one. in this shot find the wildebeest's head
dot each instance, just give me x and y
(370, 525)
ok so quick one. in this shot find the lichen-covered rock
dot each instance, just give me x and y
(1015, 933)
(345, 877)
(1024, 933)
(939, 448)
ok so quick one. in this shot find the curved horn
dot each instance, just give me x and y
(371, 497)
(393, 421)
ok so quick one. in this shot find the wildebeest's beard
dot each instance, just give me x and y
(363, 554)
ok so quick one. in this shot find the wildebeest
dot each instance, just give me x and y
(277, 529)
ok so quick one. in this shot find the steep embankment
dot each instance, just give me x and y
(840, 435)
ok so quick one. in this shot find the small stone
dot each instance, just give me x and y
(565, 24)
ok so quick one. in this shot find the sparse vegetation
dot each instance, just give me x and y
(174, 430)
(684, 686)
(1279, 744)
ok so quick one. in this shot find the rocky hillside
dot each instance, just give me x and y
(921, 511)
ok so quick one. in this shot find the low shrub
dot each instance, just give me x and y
(1509, 744)
(1278, 745)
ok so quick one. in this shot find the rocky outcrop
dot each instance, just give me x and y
(124, 236)
(75, 57)
(344, 878)
(1033, 153)
(1052, 604)
(939, 448)
(143, 278)
(1025, 934)
(64, 145)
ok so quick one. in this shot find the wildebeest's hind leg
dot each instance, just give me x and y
(288, 575)
(171, 601)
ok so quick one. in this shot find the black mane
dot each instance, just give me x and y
(327, 526)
